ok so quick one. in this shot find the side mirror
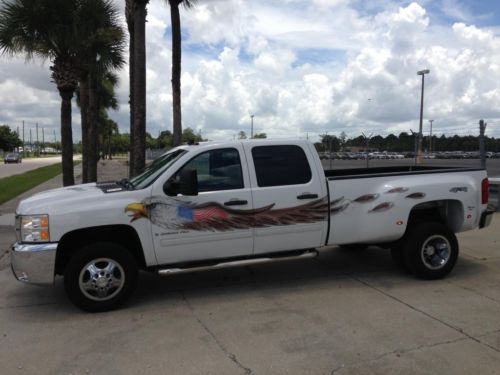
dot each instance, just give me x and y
(186, 185)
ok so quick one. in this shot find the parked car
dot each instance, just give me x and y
(12, 158)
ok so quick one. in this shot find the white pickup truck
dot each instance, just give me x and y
(237, 203)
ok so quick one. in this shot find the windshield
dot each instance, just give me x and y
(155, 169)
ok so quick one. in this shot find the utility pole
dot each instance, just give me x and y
(415, 149)
(419, 151)
(330, 152)
(482, 152)
(24, 151)
(31, 142)
(43, 139)
(367, 142)
(251, 126)
(430, 140)
(37, 142)
(55, 140)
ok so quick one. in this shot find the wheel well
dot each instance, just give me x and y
(449, 212)
(123, 235)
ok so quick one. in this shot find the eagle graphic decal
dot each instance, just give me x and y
(170, 213)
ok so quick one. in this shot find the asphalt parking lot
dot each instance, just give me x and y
(345, 312)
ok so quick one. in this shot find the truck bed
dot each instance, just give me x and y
(341, 174)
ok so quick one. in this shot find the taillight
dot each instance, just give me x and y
(485, 185)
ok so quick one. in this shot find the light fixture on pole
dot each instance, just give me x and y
(251, 127)
(419, 151)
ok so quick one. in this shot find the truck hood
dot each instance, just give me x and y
(50, 201)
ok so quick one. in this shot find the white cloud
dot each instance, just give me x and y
(299, 66)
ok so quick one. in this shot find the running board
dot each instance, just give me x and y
(237, 263)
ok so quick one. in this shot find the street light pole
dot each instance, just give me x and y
(251, 128)
(430, 140)
(419, 155)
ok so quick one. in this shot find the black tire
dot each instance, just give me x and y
(430, 250)
(114, 278)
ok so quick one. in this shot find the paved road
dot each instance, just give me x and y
(27, 165)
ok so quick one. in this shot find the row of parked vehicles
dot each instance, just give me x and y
(360, 155)
(397, 155)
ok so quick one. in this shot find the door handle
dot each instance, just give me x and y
(236, 202)
(307, 196)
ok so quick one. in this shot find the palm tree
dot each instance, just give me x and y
(104, 45)
(104, 98)
(135, 11)
(47, 29)
(82, 39)
(176, 65)
(129, 17)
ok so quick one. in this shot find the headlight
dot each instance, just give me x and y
(33, 228)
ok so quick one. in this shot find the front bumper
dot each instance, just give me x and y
(34, 263)
(486, 217)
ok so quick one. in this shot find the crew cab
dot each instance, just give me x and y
(221, 204)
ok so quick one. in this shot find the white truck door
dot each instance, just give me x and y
(202, 227)
(284, 178)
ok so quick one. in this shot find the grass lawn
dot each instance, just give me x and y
(12, 186)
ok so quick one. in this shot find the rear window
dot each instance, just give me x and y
(280, 165)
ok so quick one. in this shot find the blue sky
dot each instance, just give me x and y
(302, 67)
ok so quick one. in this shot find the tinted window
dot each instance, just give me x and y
(217, 170)
(281, 165)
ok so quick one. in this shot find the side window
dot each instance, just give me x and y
(281, 165)
(217, 170)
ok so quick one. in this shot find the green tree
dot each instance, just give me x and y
(72, 35)
(242, 135)
(189, 136)
(165, 139)
(330, 142)
(260, 135)
(8, 139)
(103, 52)
(107, 129)
(135, 14)
(343, 139)
(48, 29)
(176, 65)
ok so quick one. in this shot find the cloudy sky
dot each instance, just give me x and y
(303, 68)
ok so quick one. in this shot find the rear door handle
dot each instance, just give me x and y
(307, 196)
(236, 202)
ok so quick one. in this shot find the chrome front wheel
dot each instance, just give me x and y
(101, 279)
(100, 276)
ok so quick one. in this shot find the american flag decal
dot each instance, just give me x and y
(201, 214)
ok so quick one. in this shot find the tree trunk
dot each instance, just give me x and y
(176, 72)
(66, 137)
(84, 100)
(92, 129)
(129, 15)
(139, 126)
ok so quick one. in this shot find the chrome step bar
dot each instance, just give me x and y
(238, 263)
